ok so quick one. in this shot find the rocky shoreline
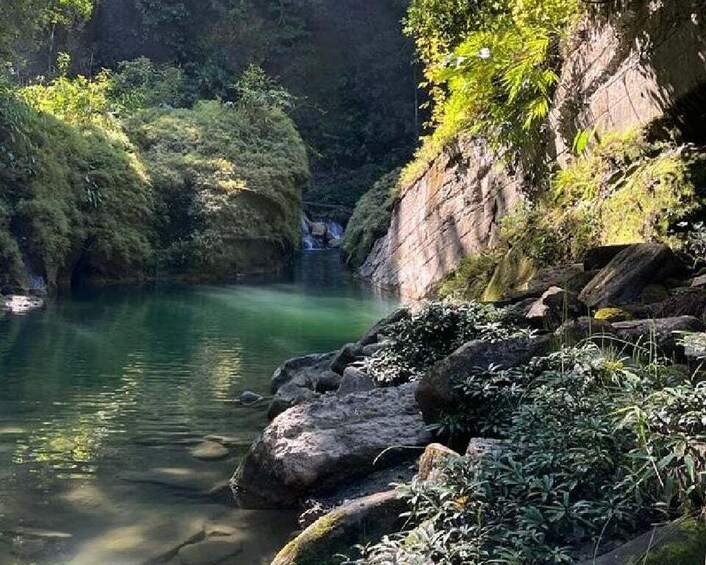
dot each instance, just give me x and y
(333, 427)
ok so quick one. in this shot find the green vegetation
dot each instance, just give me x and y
(491, 67)
(437, 329)
(229, 181)
(370, 220)
(597, 448)
(96, 184)
(72, 195)
(624, 190)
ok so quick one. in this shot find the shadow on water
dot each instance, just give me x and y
(104, 393)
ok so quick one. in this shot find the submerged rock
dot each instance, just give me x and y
(210, 451)
(326, 442)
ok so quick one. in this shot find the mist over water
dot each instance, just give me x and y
(103, 394)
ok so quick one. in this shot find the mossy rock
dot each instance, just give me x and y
(513, 271)
(612, 315)
(691, 550)
(359, 521)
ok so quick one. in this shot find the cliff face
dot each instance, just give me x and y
(645, 65)
(450, 211)
(622, 73)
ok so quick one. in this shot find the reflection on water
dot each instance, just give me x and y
(103, 394)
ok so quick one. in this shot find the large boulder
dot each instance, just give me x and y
(624, 278)
(436, 389)
(356, 522)
(664, 332)
(373, 334)
(552, 308)
(598, 257)
(303, 369)
(300, 379)
(348, 354)
(326, 442)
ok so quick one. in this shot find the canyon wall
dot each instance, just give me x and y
(450, 211)
(645, 65)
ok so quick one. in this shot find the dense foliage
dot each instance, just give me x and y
(370, 220)
(229, 181)
(357, 97)
(596, 447)
(491, 67)
(216, 187)
(73, 193)
(415, 343)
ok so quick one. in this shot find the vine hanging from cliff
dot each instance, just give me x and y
(494, 72)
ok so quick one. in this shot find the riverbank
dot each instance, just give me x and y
(585, 384)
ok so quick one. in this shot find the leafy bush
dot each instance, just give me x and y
(498, 64)
(417, 342)
(370, 220)
(598, 448)
(140, 84)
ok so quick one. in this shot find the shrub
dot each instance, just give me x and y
(433, 332)
(498, 65)
(598, 449)
(370, 220)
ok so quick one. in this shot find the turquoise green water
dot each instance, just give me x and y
(103, 394)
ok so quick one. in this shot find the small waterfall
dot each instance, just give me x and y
(320, 235)
(36, 285)
(334, 229)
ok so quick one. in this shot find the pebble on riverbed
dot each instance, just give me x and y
(210, 451)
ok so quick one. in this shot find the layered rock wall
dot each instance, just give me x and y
(450, 211)
(621, 72)
(626, 71)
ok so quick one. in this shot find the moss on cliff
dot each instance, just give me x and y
(625, 190)
(229, 181)
(370, 220)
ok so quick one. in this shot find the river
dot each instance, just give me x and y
(104, 393)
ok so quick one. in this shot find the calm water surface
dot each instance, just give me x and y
(104, 393)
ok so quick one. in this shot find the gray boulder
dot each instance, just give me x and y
(575, 331)
(301, 379)
(355, 380)
(326, 442)
(664, 332)
(348, 354)
(552, 308)
(304, 369)
(374, 333)
(436, 389)
(289, 395)
(598, 257)
(623, 279)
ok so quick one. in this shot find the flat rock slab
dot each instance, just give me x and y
(623, 279)
(664, 332)
(210, 451)
(326, 442)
